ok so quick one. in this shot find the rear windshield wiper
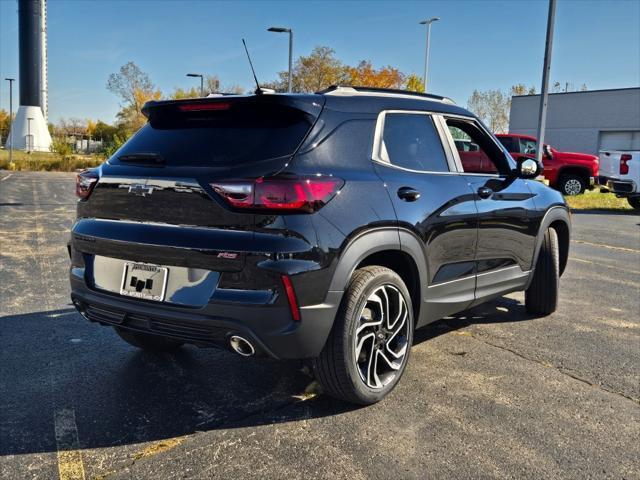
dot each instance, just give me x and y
(144, 158)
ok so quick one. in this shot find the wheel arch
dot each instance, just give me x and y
(559, 219)
(387, 247)
(578, 170)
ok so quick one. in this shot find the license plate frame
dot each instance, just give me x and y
(135, 272)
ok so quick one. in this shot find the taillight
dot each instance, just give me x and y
(291, 297)
(85, 181)
(624, 167)
(284, 194)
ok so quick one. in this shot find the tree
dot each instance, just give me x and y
(492, 107)
(521, 89)
(319, 70)
(5, 125)
(414, 83)
(135, 88)
(364, 74)
(181, 93)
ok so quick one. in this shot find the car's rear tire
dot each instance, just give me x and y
(151, 343)
(634, 202)
(363, 335)
(571, 185)
(541, 298)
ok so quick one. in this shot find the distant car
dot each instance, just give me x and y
(324, 227)
(569, 172)
(620, 174)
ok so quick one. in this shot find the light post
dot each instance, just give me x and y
(426, 54)
(544, 94)
(29, 138)
(10, 80)
(201, 81)
(290, 32)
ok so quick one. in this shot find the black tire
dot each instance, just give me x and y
(150, 343)
(572, 185)
(541, 298)
(337, 368)
(634, 202)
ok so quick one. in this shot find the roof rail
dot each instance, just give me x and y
(354, 90)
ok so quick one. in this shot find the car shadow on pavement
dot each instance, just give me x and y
(500, 310)
(55, 365)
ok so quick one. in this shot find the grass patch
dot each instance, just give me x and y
(594, 200)
(45, 161)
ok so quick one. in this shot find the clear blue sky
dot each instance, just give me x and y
(476, 45)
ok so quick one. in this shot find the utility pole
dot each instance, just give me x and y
(10, 80)
(544, 95)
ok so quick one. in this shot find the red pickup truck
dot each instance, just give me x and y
(569, 172)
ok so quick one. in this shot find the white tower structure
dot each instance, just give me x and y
(29, 130)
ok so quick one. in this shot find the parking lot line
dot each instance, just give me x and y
(70, 465)
(602, 245)
(4, 178)
(604, 265)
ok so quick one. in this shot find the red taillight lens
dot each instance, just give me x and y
(202, 107)
(298, 194)
(624, 167)
(85, 182)
(291, 296)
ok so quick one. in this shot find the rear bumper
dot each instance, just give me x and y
(269, 327)
(617, 186)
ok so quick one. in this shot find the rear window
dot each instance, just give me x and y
(240, 133)
(508, 143)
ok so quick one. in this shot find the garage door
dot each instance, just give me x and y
(620, 140)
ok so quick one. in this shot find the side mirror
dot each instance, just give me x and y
(547, 151)
(528, 168)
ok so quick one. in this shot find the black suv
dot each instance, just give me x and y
(321, 226)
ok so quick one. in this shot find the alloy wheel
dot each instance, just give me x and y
(572, 187)
(380, 340)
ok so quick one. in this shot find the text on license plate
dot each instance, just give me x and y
(141, 280)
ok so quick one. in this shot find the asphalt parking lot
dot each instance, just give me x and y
(488, 393)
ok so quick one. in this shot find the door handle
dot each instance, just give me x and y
(485, 192)
(408, 194)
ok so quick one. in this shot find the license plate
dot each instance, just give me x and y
(141, 280)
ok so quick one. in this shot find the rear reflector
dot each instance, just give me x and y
(291, 296)
(285, 194)
(624, 167)
(85, 182)
(202, 107)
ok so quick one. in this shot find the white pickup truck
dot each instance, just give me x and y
(620, 173)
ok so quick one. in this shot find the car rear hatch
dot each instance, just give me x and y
(161, 179)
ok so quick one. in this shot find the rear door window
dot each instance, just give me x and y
(237, 134)
(411, 141)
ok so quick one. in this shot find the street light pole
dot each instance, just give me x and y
(201, 81)
(290, 32)
(544, 95)
(427, 47)
(10, 80)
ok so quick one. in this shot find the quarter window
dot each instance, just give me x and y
(411, 141)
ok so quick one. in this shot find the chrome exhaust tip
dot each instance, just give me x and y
(241, 346)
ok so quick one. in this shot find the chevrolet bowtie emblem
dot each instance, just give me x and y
(140, 190)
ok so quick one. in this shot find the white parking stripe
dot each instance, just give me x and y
(4, 178)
